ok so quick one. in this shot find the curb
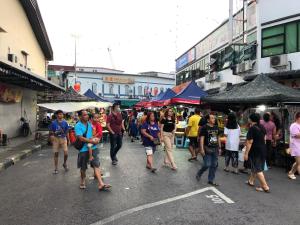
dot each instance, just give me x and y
(10, 161)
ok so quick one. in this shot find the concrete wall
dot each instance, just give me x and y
(10, 113)
(225, 77)
(19, 37)
(274, 9)
(282, 8)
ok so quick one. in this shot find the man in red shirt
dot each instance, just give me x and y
(115, 126)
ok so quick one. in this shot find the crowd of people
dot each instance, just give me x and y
(156, 127)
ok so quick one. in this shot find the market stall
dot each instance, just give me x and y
(189, 95)
(90, 94)
(260, 95)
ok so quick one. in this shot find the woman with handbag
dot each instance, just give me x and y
(168, 130)
(151, 134)
(256, 152)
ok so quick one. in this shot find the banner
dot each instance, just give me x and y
(10, 94)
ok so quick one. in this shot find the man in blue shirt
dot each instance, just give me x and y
(84, 131)
(59, 136)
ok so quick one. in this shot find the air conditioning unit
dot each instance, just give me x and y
(241, 67)
(11, 57)
(278, 61)
(248, 65)
(213, 76)
(200, 84)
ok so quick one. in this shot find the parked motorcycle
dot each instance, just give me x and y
(25, 127)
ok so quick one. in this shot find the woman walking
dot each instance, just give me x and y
(168, 130)
(256, 152)
(151, 133)
(232, 132)
(295, 146)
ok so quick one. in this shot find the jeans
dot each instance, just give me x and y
(232, 156)
(115, 145)
(210, 161)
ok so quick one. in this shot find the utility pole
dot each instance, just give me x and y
(230, 23)
(111, 58)
(75, 36)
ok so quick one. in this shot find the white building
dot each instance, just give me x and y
(111, 83)
(266, 39)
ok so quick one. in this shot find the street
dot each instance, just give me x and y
(31, 194)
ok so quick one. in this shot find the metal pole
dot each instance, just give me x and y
(75, 65)
(230, 22)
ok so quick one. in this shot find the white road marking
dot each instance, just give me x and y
(151, 205)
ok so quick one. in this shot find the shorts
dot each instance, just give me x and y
(150, 150)
(194, 142)
(59, 143)
(83, 160)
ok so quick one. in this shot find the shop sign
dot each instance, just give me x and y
(10, 94)
(119, 80)
(185, 59)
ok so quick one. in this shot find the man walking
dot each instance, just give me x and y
(59, 137)
(115, 126)
(84, 131)
(210, 146)
(192, 134)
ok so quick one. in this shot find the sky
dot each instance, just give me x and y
(142, 35)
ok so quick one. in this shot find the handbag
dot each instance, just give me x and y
(78, 144)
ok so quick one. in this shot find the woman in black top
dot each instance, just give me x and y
(256, 152)
(168, 131)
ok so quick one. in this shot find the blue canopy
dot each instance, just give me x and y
(158, 96)
(190, 95)
(89, 93)
(167, 95)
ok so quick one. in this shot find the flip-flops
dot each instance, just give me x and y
(105, 187)
(249, 184)
(82, 186)
(260, 189)
(55, 172)
(292, 176)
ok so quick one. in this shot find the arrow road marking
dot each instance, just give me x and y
(151, 205)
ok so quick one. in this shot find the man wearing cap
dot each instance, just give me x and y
(115, 127)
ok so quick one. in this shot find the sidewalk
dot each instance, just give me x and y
(20, 148)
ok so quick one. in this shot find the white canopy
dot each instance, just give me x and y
(74, 106)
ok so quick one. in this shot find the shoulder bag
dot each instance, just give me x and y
(78, 144)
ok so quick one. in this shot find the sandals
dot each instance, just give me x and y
(261, 189)
(226, 170)
(291, 176)
(55, 172)
(82, 186)
(249, 184)
(66, 167)
(105, 187)
(193, 158)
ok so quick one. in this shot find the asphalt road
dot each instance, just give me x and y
(30, 194)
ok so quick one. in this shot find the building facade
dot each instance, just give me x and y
(265, 40)
(111, 83)
(24, 54)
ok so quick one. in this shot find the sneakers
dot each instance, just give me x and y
(114, 163)
(212, 183)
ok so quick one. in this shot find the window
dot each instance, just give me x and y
(281, 39)
(94, 88)
(140, 90)
(25, 58)
(126, 89)
(291, 38)
(111, 89)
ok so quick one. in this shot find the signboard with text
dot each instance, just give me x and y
(119, 80)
